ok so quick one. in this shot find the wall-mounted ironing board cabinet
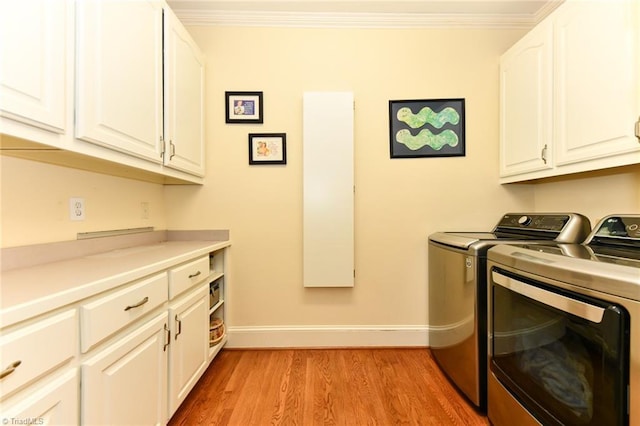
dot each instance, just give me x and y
(328, 189)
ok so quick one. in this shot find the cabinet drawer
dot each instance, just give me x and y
(37, 349)
(108, 314)
(54, 402)
(186, 276)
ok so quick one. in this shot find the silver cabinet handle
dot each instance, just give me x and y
(10, 369)
(137, 305)
(173, 150)
(543, 154)
(179, 322)
(563, 303)
(195, 275)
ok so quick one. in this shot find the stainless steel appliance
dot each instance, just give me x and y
(564, 329)
(458, 290)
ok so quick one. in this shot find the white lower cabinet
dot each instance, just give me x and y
(109, 313)
(126, 356)
(39, 376)
(125, 383)
(22, 365)
(189, 348)
(185, 276)
(52, 403)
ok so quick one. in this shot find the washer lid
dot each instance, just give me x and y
(462, 240)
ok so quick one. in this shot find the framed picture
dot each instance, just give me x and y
(243, 107)
(426, 128)
(267, 148)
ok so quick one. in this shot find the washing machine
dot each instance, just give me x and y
(458, 290)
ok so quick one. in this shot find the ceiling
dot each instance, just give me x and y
(365, 13)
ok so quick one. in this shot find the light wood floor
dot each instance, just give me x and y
(348, 387)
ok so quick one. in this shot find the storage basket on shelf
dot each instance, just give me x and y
(214, 294)
(216, 331)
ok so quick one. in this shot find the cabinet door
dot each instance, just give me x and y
(119, 76)
(184, 99)
(188, 354)
(33, 55)
(52, 403)
(526, 103)
(126, 382)
(597, 79)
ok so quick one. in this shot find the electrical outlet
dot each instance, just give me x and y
(76, 208)
(144, 206)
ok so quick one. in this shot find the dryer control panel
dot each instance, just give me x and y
(617, 229)
(548, 222)
(561, 227)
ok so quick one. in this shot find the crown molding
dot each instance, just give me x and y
(355, 20)
(546, 10)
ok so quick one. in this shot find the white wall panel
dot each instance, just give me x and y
(328, 246)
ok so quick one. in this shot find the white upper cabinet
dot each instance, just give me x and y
(570, 92)
(184, 99)
(526, 94)
(34, 50)
(597, 54)
(119, 76)
(102, 80)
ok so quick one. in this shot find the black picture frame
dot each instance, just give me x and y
(243, 107)
(267, 148)
(427, 128)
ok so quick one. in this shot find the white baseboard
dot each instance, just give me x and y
(327, 336)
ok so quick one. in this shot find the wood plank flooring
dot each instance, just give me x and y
(347, 387)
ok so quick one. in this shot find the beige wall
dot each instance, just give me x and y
(35, 202)
(595, 194)
(398, 202)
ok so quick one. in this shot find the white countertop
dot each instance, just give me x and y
(31, 291)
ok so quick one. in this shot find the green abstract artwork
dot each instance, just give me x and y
(427, 128)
